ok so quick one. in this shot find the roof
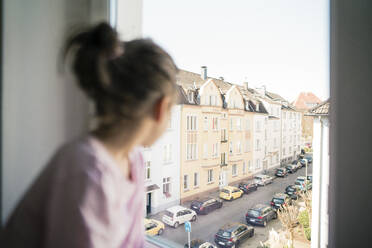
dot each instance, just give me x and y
(320, 109)
(175, 209)
(275, 96)
(306, 100)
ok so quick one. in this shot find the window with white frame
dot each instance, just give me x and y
(210, 176)
(215, 149)
(185, 182)
(239, 147)
(238, 124)
(223, 135)
(247, 125)
(231, 149)
(234, 171)
(205, 151)
(244, 168)
(205, 123)
(246, 148)
(223, 158)
(231, 124)
(258, 164)
(250, 169)
(258, 126)
(190, 96)
(258, 147)
(191, 123)
(148, 170)
(215, 123)
(191, 146)
(196, 179)
(167, 186)
(167, 153)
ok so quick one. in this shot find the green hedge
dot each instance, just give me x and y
(303, 218)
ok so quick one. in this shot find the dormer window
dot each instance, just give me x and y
(190, 96)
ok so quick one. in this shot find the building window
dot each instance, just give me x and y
(231, 124)
(185, 182)
(250, 169)
(215, 123)
(167, 153)
(238, 124)
(258, 126)
(246, 149)
(258, 164)
(231, 147)
(223, 135)
(191, 123)
(244, 168)
(223, 158)
(258, 148)
(205, 123)
(234, 170)
(210, 175)
(190, 96)
(148, 170)
(196, 179)
(205, 150)
(239, 147)
(167, 186)
(215, 149)
(247, 125)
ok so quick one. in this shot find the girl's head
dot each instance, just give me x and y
(131, 83)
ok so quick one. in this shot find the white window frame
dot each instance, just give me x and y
(234, 170)
(205, 123)
(148, 170)
(167, 184)
(185, 182)
(196, 179)
(210, 176)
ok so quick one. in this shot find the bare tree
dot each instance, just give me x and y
(288, 216)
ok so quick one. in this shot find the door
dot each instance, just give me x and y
(148, 203)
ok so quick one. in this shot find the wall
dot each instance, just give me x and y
(41, 107)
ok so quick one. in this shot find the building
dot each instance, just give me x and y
(162, 162)
(319, 222)
(216, 133)
(304, 102)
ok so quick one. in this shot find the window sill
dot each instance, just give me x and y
(234, 175)
(212, 182)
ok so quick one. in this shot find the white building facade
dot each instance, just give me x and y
(259, 142)
(162, 162)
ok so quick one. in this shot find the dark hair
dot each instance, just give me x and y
(124, 79)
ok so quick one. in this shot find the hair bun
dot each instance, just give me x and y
(105, 38)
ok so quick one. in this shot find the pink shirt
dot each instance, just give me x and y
(81, 199)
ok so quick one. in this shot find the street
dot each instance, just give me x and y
(206, 226)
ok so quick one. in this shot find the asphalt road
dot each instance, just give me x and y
(206, 226)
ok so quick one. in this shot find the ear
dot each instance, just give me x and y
(161, 108)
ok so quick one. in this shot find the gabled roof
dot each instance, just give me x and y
(305, 99)
(320, 109)
(275, 97)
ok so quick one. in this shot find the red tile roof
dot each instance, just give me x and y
(306, 100)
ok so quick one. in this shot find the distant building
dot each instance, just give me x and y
(320, 217)
(304, 102)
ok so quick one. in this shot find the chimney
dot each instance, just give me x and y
(246, 85)
(203, 73)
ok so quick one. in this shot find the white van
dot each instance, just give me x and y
(177, 215)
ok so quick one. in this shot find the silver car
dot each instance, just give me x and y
(263, 180)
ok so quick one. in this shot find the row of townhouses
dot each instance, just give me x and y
(219, 134)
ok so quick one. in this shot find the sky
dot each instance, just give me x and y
(282, 44)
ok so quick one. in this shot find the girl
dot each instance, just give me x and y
(91, 194)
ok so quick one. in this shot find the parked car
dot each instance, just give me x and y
(291, 168)
(198, 243)
(281, 172)
(303, 184)
(294, 162)
(230, 193)
(293, 191)
(248, 187)
(309, 159)
(279, 200)
(206, 205)
(153, 227)
(231, 235)
(303, 162)
(177, 215)
(263, 180)
(298, 165)
(260, 215)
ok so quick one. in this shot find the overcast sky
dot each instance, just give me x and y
(282, 44)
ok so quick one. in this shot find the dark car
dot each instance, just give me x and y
(303, 163)
(197, 243)
(310, 178)
(231, 235)
(206, 205)
(260, 215)
(279, 200)
(291, 168)
(309, 159)
(293, 191)
(248, 187)
(281, 172)
(295, 162)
